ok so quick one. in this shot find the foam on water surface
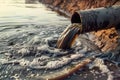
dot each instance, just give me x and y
(38, 54)
(44, 58)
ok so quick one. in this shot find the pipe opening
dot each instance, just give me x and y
(75, 18)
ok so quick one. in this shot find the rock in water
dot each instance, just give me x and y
(69, 35)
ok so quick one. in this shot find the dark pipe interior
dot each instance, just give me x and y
(75, 18)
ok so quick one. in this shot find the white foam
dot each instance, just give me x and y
(24, 62)
(100, 64)
(23, 51)
(34, 40)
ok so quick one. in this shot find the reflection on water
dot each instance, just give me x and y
(12, 1)
(15, 11)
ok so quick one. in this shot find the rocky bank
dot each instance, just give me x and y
(107, 40)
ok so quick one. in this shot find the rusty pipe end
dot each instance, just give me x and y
(97, 19)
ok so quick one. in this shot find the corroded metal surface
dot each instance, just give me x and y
(98, 18)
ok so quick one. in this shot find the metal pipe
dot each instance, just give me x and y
(89, 20)
(98, 18)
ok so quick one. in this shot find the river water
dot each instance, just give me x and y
(28, 36)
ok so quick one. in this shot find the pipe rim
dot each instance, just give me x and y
(75, 18)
